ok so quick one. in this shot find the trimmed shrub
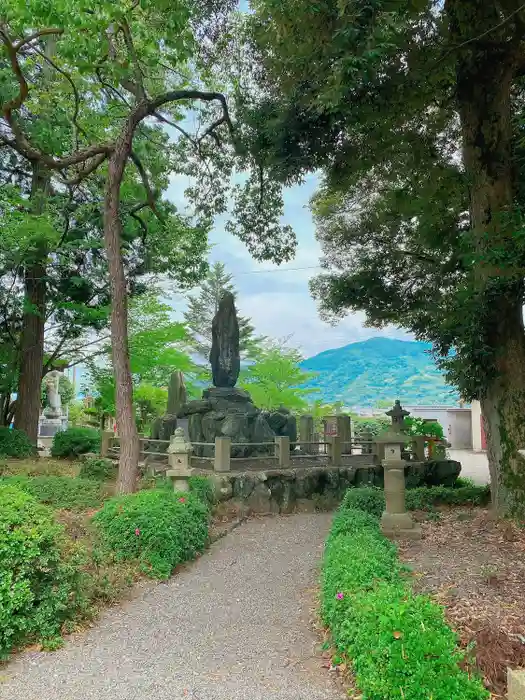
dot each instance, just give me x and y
(61, 492)
(98, 468)
(15, 443)
(158, 527)
(75, 441)
(398, 643)
(372, 499)
(37, 585)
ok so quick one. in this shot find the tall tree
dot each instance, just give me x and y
(126, 64)
(203, 307)
(386, 98)
(275, 379)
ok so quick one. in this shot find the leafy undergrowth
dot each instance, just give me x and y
(38, 466)
(40, 581)
(82, 551)
(62, 492)
(398, 643)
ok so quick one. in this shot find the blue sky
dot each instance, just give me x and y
(277, 298)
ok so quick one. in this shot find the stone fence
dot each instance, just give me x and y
(280, 454)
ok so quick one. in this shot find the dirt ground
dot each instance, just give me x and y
(475, 567)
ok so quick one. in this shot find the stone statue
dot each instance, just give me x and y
(54, 402)
(177, 395)
(225, 356)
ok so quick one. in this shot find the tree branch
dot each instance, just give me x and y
(37, 35)
(150, 194)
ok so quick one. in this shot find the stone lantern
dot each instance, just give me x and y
(395, 521)
(179, 459)
(398, 414)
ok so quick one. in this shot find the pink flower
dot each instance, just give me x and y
(182, 500)
(137, 532)
(340, 596)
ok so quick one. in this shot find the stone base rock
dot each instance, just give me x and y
(442, 472)
(228, 412)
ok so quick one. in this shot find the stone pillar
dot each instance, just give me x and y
(306, 433)
(179, 460)
(516, 684)
(367, 446)
(418, 447)
(395, 521)
(222, 454)
(334, 450)
(282, 448)
(105, 442)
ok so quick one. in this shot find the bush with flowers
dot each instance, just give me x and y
(158, 527)
(397, 642)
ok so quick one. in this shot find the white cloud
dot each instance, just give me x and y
(277, 298)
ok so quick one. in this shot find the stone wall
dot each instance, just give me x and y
(321, 487)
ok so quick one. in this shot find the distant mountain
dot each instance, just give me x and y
(360, 374)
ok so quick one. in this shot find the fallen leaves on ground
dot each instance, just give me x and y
(474, 565)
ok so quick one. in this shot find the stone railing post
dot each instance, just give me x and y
(282, 449)
(306, 433)
(179, 460)
(344, 431)
(334, 450)
(105, 442)
(395, 521)
(223, 447)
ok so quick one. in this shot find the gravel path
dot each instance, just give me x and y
(235, 625)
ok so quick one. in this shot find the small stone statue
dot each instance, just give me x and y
(54, 402)
(225, 355)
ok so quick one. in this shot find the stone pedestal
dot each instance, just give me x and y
(395, 521)
(49, 427)
(106, 442)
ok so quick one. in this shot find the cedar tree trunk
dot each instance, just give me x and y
(28, 402)
(127, 430)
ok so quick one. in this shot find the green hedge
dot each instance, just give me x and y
(98, 468)
(159, 527)
(61, 492)
(397, 642)
(73, 442)
(37, 585)
(372, 499)
(15, 443)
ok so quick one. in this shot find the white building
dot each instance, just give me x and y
(462, 427)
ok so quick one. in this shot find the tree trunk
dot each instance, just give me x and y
(485, 71)
(127, 429)
(28, 402)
